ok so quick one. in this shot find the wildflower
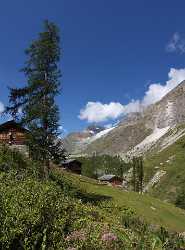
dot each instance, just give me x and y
(109, 237)
(76, 235)
(72, 248)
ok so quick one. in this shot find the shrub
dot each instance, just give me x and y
(13, 160)
(180, 200)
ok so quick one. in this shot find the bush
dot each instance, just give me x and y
(13, 160)
(180, 200)
(38, 215)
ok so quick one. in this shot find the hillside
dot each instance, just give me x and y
(68, 211)
(170, 160)
(152, 210)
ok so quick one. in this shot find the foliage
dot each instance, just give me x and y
(59, 213)
(39, 112)
(13, 160)
(38, 215)
(180, 200)
(104, 164)
(138, 174)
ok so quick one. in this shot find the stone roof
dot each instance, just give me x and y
(69, 161)
(106, 177)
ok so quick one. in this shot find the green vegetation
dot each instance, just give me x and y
(172, 161)
(180, 200)
(152, 210)
(104, 164)
(71, 212)
(138, 174)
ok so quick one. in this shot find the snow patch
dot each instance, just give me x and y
(100, 134)
(91, 132)
(92, 138)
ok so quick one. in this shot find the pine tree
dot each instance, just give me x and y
(39, 112)
(138, 174)
(134, 179)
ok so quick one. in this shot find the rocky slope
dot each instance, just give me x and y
(138, 132)
(76, 142)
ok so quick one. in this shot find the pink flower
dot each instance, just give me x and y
(109, 237)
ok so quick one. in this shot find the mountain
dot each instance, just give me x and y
(137, 132)
(158, 133)
(76, 142)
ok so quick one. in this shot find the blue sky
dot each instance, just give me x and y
(114, 53)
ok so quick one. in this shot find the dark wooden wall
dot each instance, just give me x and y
(13, 135)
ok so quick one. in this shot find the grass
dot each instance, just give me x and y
(152, 210)
(174, 178)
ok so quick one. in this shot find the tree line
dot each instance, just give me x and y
(98, 165)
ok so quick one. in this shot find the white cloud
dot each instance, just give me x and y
(156, 90)
(1, 107)
(176, 44)
(100, 112)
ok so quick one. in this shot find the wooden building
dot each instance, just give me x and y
(112, 179)
(72, 165)
(12, 133)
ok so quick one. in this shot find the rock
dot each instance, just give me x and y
(156, 167)
(153, 208)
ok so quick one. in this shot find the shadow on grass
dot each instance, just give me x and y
(91, 197)
(72, 189)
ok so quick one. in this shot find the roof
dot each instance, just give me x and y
(69, 161)
(11, 124)
(106, 177)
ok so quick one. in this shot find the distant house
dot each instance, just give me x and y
(113, 179)
(72, 165)
(12, 133)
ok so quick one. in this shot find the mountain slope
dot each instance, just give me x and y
(170, 160)
(131, 132)
(152, 210)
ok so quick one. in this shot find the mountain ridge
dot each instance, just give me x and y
(135, 128)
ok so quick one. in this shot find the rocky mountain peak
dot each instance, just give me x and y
(94, 128)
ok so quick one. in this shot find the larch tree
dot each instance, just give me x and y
(138, 174)
(36, 100)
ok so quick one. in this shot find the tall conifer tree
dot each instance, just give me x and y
(36, 100)
(138, 174)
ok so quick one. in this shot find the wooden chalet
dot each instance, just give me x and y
(72, 165)
(12, 133)
(112, 179)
